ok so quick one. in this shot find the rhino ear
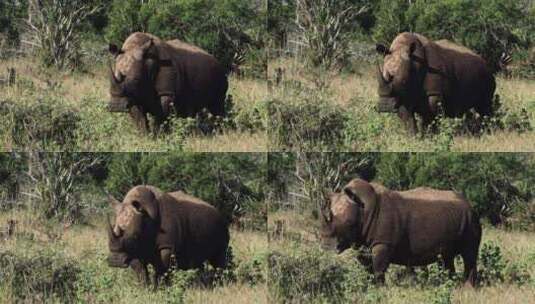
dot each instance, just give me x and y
(412, 48)
(151, 206)
(114, 49)
(147, 45)
(382, 49)
(353, 197)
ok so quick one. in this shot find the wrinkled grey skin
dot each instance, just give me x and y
(410, 228)
(152, 76)
(420, 76)
(165, 229)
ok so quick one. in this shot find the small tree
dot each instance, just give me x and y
(325, 29)
(55, 180)
(54, 27)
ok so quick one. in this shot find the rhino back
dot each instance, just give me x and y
(191, 227)
(421, 221)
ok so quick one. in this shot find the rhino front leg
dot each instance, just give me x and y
(140, 119)
(407, 117)
(162, 266)
(141, 271)
(381, 260)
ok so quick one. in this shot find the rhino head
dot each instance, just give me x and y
(344, 220)
(401, 76)
(133, 233)
(131, 80)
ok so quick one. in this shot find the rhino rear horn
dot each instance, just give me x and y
(382, 49)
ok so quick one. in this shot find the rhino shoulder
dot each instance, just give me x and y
(181, 196)
(183, 46)
(450, 45)
(431, 194)
(137, 39)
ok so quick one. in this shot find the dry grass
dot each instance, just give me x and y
(89, 92)
(90, 242)
(356, 92)
(301, 231)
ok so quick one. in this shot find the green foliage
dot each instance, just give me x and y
(493, 182)
(253, 270)
(231, 182)
(223, 28)
(309, 274)
(306, 125)
(34, 276)
(12, 13)
(39, 125)
(500, 25)
(491, 264)
(12, 167)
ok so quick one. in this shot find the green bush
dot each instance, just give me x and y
(12, 12)
(307, 274)
(34, 277)
(491, 264)
(40, 125)
(500, 26)
(232, 182)
(495, 183)
(220, 27)
(253, 270)
(305, 125)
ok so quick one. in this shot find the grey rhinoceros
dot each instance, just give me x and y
(152, 226)
(151, 75)
(419, 74)
(409, 228)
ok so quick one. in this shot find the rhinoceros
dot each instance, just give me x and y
(151, 75)
(152, 226)
(411, 228)
(419, 75)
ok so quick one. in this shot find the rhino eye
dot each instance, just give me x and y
(137, 206)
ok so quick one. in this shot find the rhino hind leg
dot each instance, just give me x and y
(470, 267)
(219, 260)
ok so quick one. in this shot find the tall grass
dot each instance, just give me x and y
(355, 95)
(86, 95)
(80, 251)
(295, 244)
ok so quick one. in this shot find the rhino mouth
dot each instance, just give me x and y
(113, 107)
(387, 105)
(119, 260)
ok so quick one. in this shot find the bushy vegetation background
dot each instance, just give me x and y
(53, 209)
(57, 54)
(304, 269)
(323, 65)
(499, 185)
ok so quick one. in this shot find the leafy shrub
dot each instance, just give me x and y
(491, 264)
(473, 123)
(57, 182)
(495, 183)
(11, 14)
(253, 270)
(304, 275)
(32, 277)
(223, 28)
(307, 274)
(46, 123)
(306, 125)
(502, 25)
(232, 182)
